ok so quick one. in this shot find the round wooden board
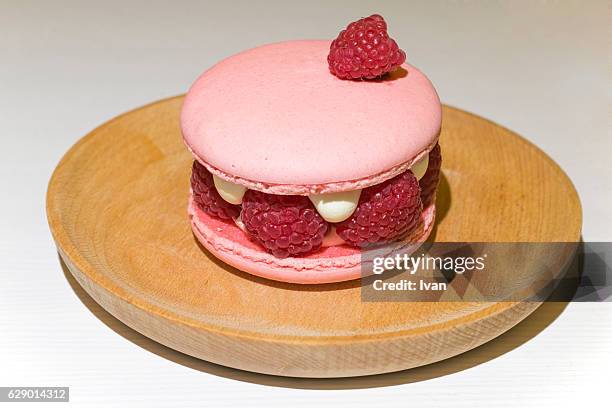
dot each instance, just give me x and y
(116, 206)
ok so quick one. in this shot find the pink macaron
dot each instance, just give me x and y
(291, 160)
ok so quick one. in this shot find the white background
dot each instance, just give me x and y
(541, 69)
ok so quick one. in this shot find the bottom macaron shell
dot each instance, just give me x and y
(331, 264)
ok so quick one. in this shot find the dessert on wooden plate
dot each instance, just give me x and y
(307, 151)
(289, 138)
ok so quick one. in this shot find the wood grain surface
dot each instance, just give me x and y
(116, 206)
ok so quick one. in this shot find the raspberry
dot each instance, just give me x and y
(206, 196)
(429, 182)
(286, 225)
(364, 50)
(385, 212)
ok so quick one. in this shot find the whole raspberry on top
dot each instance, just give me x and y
(206, 197)
(364, 50)
(385, 212)
(286, 225)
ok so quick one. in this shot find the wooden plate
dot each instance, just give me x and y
(116, 206)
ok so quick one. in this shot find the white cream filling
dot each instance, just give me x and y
(419, 168)
(230, 192)
(239, 223)
(336, 207)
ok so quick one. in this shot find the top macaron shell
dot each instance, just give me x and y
(274, 119)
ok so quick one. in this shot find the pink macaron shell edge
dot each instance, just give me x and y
(227, 242)
(305, 189)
